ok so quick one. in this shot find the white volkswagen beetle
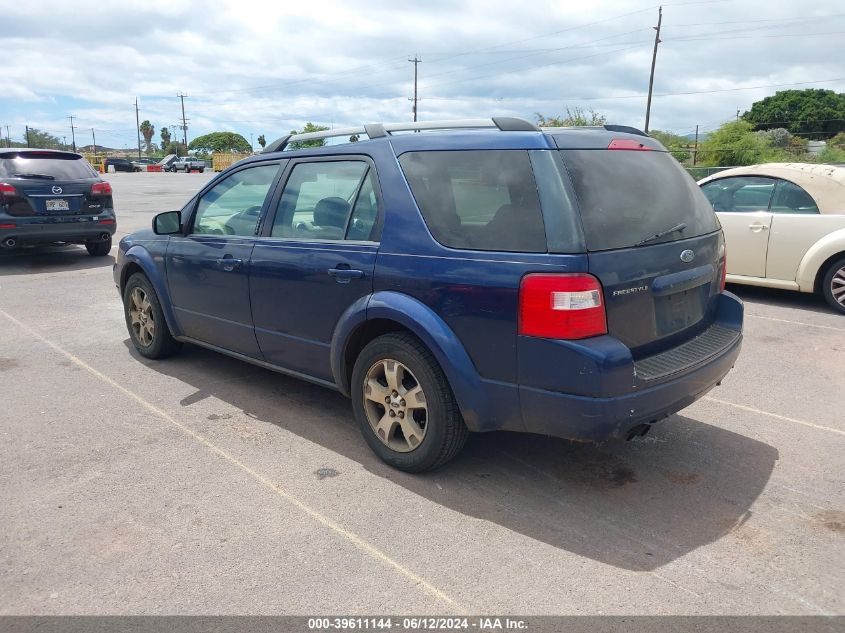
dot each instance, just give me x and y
(784, 226)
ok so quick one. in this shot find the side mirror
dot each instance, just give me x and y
(167, 223)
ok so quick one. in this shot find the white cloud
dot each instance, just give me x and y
(267, 67)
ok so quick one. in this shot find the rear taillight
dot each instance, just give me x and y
(101, 189)
(8, 226)
(6, 189)
(628, 144)
(561, 306)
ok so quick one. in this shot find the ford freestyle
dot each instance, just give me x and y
(53, 196)
(479, 275)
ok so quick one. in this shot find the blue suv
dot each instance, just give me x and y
(476, 276)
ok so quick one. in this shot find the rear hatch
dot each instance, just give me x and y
(48, 183)
(653, 241)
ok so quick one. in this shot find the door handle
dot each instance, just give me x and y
(344, 275)
(756, 228)
(229, 263)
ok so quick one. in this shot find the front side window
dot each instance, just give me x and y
(478, 200)
(233, 206)
(742, 194)
(318, 199)
(790, 198)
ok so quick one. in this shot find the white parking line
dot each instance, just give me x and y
(775, 415)
(824, 327)
(356, 540)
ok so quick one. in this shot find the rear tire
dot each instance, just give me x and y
(98, 249)
(145, 319)
(431, 410)
(833, 285)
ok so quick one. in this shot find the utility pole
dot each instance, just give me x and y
(138, 128)
(72, 133)
(27, 137)
(8, 138)
(93, 136)
(416, 62)
(653, 61)
(184, 121)
(695, 149)
(737, 115)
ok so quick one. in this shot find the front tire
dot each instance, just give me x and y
(405, 406)
(145, 319)
(833, 285)
(98, 249)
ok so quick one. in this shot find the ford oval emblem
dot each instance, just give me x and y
(57, 190)
(687, 256)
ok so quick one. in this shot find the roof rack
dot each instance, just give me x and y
(381, 130)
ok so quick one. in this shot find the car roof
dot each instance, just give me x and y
(825, 183)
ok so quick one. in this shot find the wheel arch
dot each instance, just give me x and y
(137, 260)
(813, 265)
(387, 311)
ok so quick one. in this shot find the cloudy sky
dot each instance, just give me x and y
(268, 67)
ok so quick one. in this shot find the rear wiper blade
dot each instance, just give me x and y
(44, 176)
(677, 227)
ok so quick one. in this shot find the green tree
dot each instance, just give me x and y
(309, 127)
(165, 137)
(220, 142)
(41, 140)
(734, 144)
(262, 141)
(174, 147)
(812, 113)
(575, 117)
(678, 146)
(147, 130)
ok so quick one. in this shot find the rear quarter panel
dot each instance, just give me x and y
(829, 245)
(792, 238)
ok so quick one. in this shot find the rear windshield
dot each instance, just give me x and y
(478, 200)
(627, 197)
(52, 166)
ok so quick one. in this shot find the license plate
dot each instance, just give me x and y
(57, 204)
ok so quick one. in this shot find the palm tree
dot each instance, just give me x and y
(165, 137)
(147, 129)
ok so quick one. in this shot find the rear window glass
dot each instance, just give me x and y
(626, 197)
(56, 166)
(478, 200)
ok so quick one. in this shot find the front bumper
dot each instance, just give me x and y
(596, 416)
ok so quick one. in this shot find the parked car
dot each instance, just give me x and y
(784, 225)
(53, 196)
(566, 282)
(142, 163)
(187, 164)
(120, 164)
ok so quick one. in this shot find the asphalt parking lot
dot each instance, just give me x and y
(203, 485)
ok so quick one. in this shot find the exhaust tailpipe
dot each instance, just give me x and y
(10, 242)
(104, 237)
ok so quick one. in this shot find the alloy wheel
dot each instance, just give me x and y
(141, 316)
(395, 405)
(837, 286)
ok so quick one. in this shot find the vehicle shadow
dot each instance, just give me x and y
(49, 258)
(636, 505)
(809, 302)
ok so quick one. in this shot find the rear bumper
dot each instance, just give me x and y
(599, 416)
(39, 231)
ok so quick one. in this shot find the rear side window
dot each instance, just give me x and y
(478, 200)
(739, 194)
(46, 165)
(790, 198)
(627, 197)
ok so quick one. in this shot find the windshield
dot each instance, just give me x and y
(631, 198)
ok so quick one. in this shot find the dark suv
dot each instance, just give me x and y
(120, 164)
(567, 282)
(52, 196)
